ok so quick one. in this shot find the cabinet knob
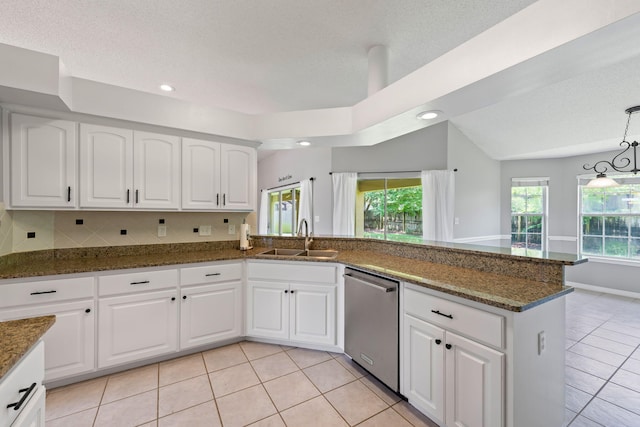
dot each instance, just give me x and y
(184, 297)
(438, 341)
(292, 291)
(88, 310)
(448, 346)
(286, 291)
(173, 298)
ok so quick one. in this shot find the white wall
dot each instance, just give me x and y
(289, 166)
(477, 205)
(425, 149)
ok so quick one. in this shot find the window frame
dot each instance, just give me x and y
(627, 259)
(386, 177)
(295, 201)
(543, 183)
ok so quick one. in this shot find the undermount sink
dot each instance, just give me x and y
(282, 252)
(310, 253)
(319, 253)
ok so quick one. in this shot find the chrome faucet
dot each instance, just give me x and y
(307, 239)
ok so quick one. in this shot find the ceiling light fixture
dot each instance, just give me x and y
(304, 143)
(618, 163)
(167, 88)
(428, 115)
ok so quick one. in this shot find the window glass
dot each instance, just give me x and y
(528, 208)
(283, 211)
(610, 219)
(391, 209)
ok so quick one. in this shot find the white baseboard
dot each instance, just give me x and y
(602, 289)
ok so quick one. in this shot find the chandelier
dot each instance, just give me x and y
(619, 163)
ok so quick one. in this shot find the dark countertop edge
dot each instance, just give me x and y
(254, 254)
(494, 251)
(22, 341)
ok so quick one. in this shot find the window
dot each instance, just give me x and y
(389, 207)
(610, 220)
(529, 214)
(283, 211)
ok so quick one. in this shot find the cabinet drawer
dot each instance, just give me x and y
(45, 291)
(210, 273)
(28, 371)
(477, 324)
(295, 272)
(137, 282)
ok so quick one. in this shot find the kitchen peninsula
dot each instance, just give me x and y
(524, 294)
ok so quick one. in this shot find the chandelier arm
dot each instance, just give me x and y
(601, 166)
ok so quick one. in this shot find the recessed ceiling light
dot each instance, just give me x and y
(304, 143)
(428, 115)
(167, 88)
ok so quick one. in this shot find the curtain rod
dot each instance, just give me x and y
(331, 173)
(286, 185)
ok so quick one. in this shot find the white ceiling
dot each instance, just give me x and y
(263, 57)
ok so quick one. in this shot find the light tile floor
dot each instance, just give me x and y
(268, 385)
(603, 360)
(237, 385)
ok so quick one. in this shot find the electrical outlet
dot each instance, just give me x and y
(232, 229)
(456, 221)
(542, 342)
(162, 231)
(205, 230)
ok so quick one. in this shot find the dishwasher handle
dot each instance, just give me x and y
(382, 288)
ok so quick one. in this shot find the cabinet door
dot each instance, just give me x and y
(156, 171)
(268, 310)
(33, 413)
(423, 366)
(238, 179)
(313, 314)
(210, 313)
(475, 391)
(137, 326)
(43, 162)
(106, 167)
(200, 174)
(70, 342)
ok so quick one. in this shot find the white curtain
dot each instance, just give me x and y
(305, 209)
(263, 219)
(344, 203)
(438, 191)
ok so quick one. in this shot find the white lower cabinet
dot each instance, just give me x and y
(70, 341)
(293, 302)
(22, 394)
(137, 326)
(454, 380)
(210, 313)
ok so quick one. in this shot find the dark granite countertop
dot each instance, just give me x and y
(18, 336)
(511, 285)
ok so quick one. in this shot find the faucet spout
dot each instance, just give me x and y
(307, 239)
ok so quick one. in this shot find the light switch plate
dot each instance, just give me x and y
(204, 230)
(162, 231)
(232, 229)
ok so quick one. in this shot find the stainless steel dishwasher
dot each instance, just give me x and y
(371, 324)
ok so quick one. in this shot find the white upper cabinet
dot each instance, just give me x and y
(217, 176)
(200, 174)
(106, 166)
(156, 171)
(121, 168)
(238, 178)
(43, 163)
